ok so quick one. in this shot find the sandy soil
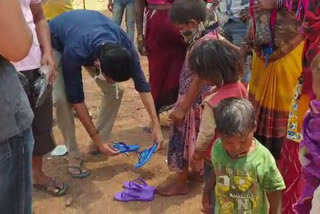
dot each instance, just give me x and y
(94, 195)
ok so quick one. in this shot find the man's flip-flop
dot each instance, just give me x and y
(44, 187)
(81, 173)
(134, 195)
(123, 148)
(146, 155)
(139, 183)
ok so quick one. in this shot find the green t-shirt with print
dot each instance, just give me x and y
(242, 183)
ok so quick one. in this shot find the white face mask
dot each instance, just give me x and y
(100, 75)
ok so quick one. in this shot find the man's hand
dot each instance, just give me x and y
(47, 59)
(260, 5)
(108, 150)
(177, 114)
(157, 136)
(110, 6)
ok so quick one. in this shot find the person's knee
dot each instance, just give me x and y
(59, 98)
(121, 90)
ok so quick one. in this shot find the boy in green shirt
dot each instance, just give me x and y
(245, 175)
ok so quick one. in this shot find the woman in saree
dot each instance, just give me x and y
(165, 48)
(275, 70)
(289, 163)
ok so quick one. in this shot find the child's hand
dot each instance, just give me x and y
(177, 114)
(197, 155)
(206, 203)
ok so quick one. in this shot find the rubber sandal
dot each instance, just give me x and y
(81, 174)
(140, 184)
(44, 188)
(146, 155)
(134, 195)
(123, 148)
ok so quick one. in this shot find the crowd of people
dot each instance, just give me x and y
(240, 79)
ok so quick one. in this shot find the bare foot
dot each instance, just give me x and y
(172, 189)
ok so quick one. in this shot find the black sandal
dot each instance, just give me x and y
(44, 188)
(81, 174)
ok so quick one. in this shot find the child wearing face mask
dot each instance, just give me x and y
(245, 176)
(196, 24)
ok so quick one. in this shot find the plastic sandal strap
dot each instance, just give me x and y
(141, 181)
(143, 153)
(131, 193)
(135, 186)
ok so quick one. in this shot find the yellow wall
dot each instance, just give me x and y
(91, 4)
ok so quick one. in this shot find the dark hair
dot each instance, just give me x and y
(182, 11)
(217, 61)
(116, 62)
(234, 117)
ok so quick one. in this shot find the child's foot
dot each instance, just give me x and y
(173, 189)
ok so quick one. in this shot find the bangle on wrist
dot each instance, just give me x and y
(140, 38)
(94, 134)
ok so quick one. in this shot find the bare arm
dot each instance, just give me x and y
(180, 110)
(140, 5)
(42, 28)
(84, 117)
(148, 102)
(207, 193)
(15, 37)
(43, 34)
(275, 201)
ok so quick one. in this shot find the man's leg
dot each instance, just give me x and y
(131, 19)
(64, 114)
(28, 150)
(236, 31)
(15, 174)
(110, 104)
(65, 121)
(118, 10)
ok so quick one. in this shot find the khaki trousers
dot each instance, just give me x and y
(110, 103)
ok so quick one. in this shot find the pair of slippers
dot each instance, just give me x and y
(144, 156)
(137, 190)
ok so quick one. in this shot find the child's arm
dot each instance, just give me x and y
(179, 111)
(207, 193)
(206, 132)
(275, 201)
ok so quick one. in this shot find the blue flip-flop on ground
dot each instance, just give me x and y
(146, 155)
(123, 148)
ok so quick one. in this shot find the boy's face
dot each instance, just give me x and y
(238, 146)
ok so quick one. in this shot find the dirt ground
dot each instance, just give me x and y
(94, 194)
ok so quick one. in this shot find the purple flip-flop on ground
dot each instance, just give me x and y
(134, 195)
(139, 183)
